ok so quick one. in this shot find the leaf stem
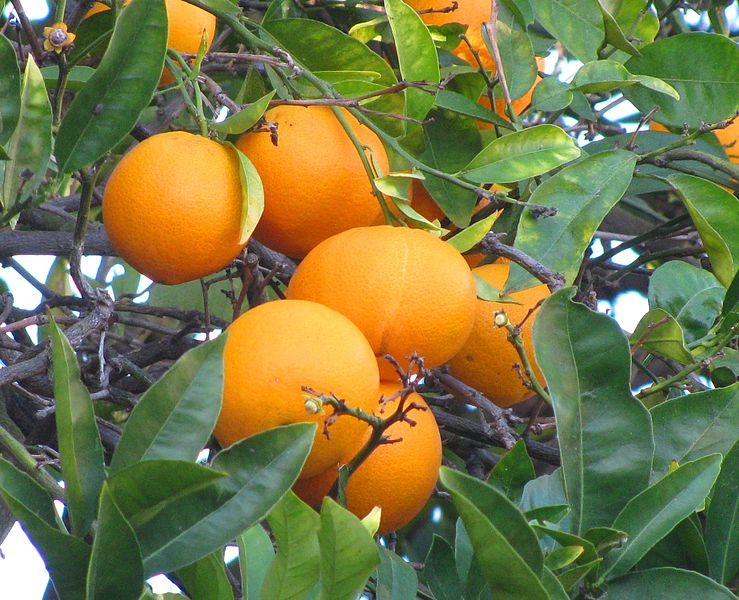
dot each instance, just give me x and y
(29, 464)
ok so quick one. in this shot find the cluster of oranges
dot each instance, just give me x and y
(172, 208)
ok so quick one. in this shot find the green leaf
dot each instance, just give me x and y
(551, 95)
(252, 193)
(176, 415)
(348, 553)
(246, 118)
(440, 572)
(505, 546)
(115, 569)
(462, 105)
(229, 7)
(588, 378)
(513, 471)
(206, 579)
(666, 583)
(417, 56)
(544, 494)
(29, 146)
(652, 514)
(255, 556)
(93, 35)
(563, 557)
(577, 24)
(553, 514)
(715, 213)
(606, 75)
(468, 568)
(451, 142)
(10, 90)
(583, 194)
(661, 334)
(66, 557)
(731, 300)
(470, 236)
(572, 577)
(80, 449)
(108, 107)
(615, 35)
(553, 586)
(76, 78)
(189, 296)
(690, 294)
(297, 566)
(569, 540)
(702, 67)
(516, 52)
(636, 23)
(695, 425)
(722, 521)
(260, 470)
(521, 155)
(396, 579)
(339, 52)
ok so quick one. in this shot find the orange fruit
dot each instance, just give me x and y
(172, 207)
(399, 477)
(407, 290)
(186, 25)
(486, 360)
(314, 183)
(423, 203)
(472, 13)
(728, 136)
(274, 349)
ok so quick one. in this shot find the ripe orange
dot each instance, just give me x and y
(187, 23)
(314, 183)
(407, 290)
(486, 360)
(728, 136)
(274, 349)
(472, 13)
(399, 477)
(172, 207)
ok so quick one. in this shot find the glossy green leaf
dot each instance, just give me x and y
(516, 52)
(29, 146)
(297, 566)
(417, 56)
(246, 118)
(715, 213)
(695, 425)
(470, 236)
(10, 90)
(348, 553)
(659, 333)
(505, 546)
(76, 78)
(260, 470)
(440, 572)
(702, 67)
(722, 521)
(690, 294)
(255, 556)
(543, 493)
(577, 24)
(572, 577)
(588, 378)
(451, 142)
(513, 471)
(228, 7)
(560, 558)
(176, 415)
(487, 291)
(615, 35)
(396, 579)
(731, 299)
(115, 569)
(108, 107)
(569, 540)
(80, 449)
(468, 568)
(605, 538)
(606, 75)
(521, 155)
(93, 36)
(339, 52)
(462, 105)
(252, 196)
(630, 24)
(652, 514)
(66, 557)
(553, 514)
(206, 578)
(553, 586)
(666, 584)
(583, 194)
(551, 95)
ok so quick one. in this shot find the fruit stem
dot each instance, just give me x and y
(514, 336)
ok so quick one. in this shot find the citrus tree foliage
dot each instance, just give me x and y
(621, 482)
